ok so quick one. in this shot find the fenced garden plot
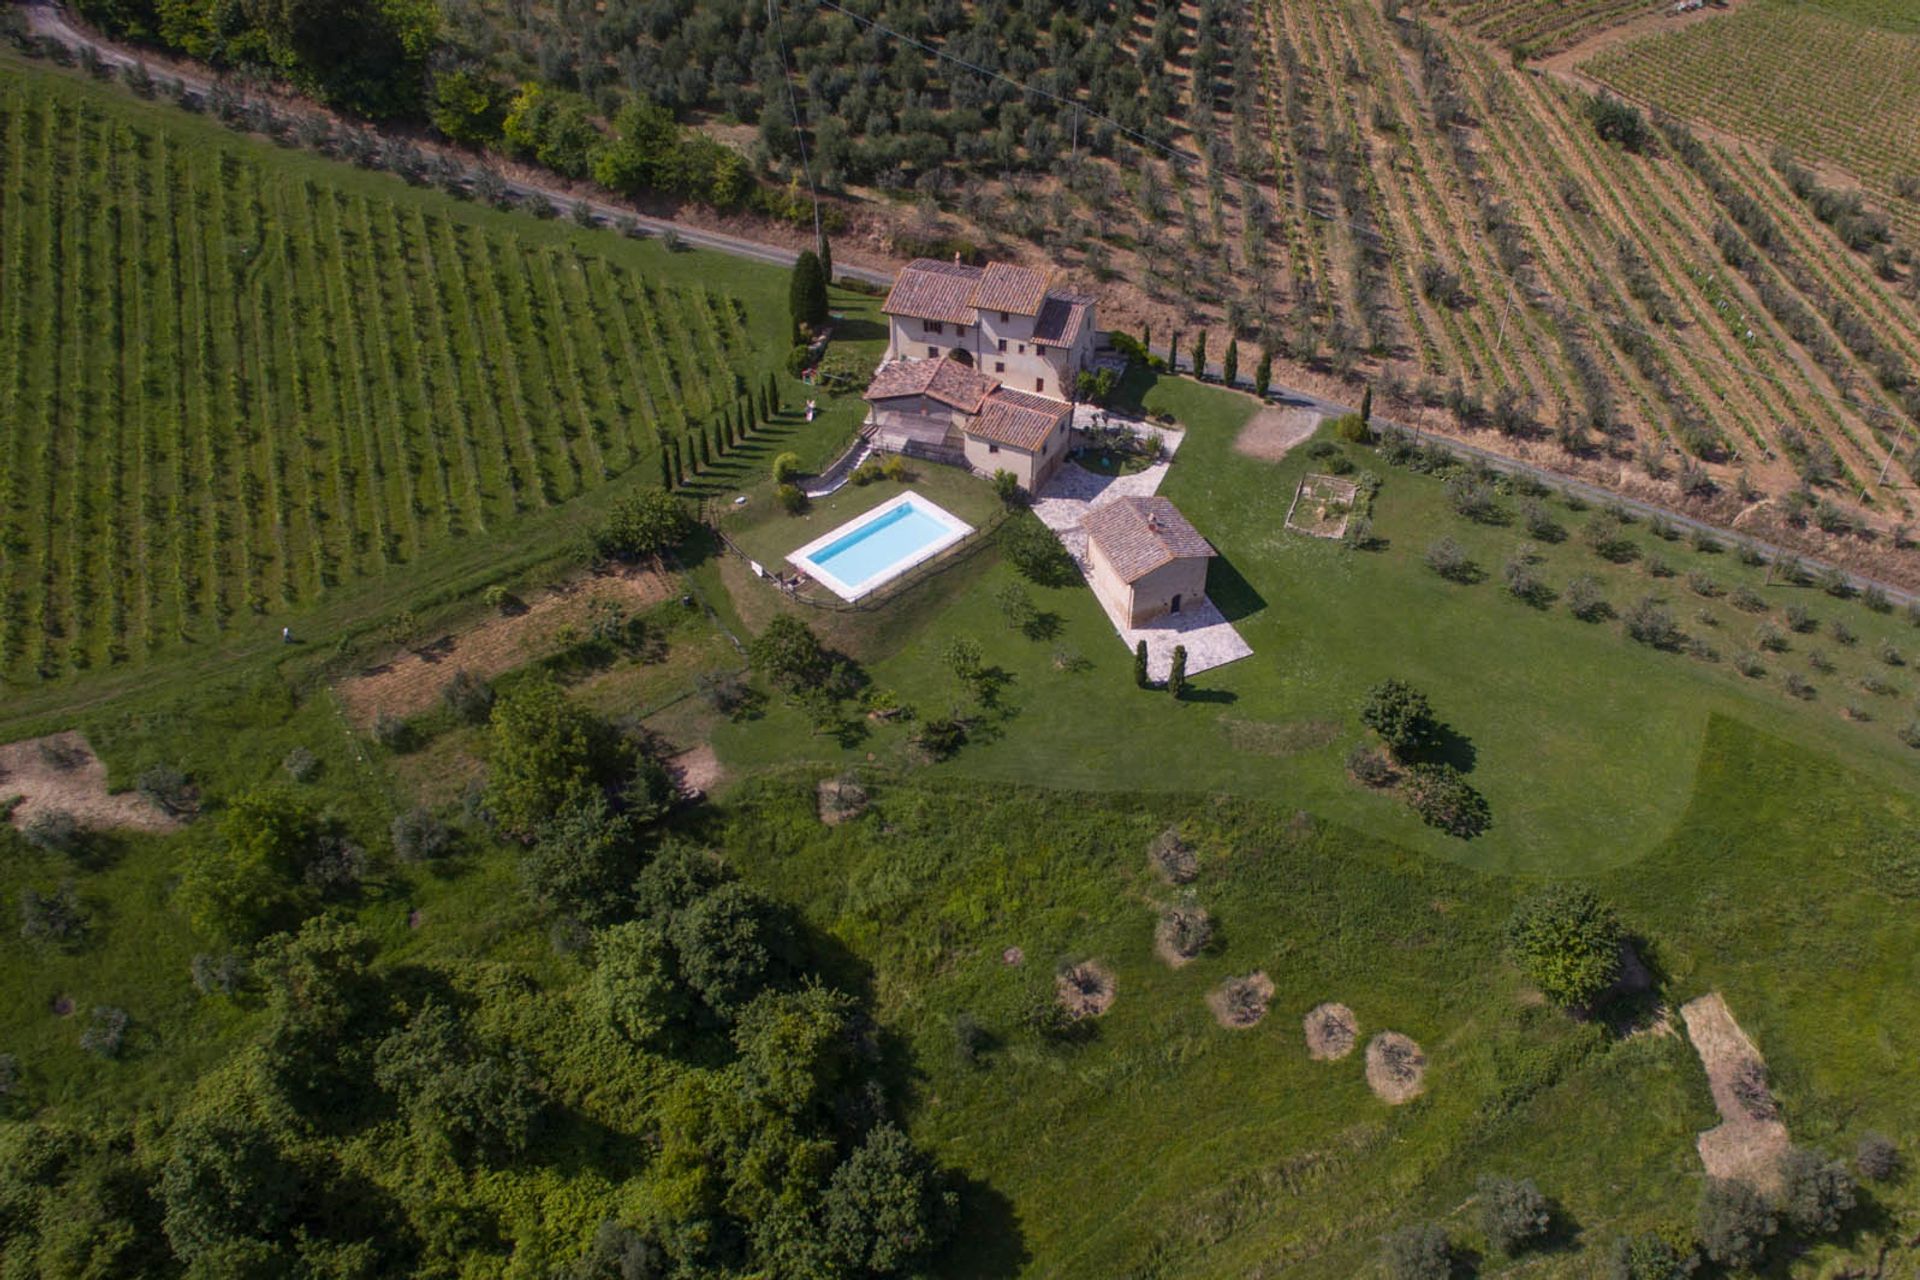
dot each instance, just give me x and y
(1322, 505)
(233, 387)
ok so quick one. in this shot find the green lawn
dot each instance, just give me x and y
(1560, 715)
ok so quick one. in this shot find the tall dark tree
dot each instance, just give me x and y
(1177, 676)
(666, 467)
(1173, 353)
(1263, 373)
(1140, 664)
(1200, 356)
(1231, 369)
(771, 405)
(1366, 403)
(807, 295)
(826, 259)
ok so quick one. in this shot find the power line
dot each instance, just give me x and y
(799, 128)
(1367, 234)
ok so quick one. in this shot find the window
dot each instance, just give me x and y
(993, 448)
(1039, 384)
(1003, 317)
(931, 326)
(1003, 346)
(1023, 348)
(999, 366)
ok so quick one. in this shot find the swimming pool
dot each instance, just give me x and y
(879, 545)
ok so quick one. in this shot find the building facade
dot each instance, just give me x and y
(1144, 560)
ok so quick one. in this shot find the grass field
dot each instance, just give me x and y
(1591, 713)
(244, 387)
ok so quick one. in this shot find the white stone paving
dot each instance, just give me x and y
(1062, 506)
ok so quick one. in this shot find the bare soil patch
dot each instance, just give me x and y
(1239, 1003)
(840, 799)
(1085, 990)
(411, 682)
(1322, 505)
(1331, 1031)
(696, 771)
(1396, 1068)
(1013, 957)
(1283, 738)
(1271, 434)
(60, 771)
(1750, 1140)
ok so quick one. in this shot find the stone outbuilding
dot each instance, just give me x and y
(1144, 560)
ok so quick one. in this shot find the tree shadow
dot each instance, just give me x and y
(1216, 696)
(1231, 593)
(991, 1244)
(1044, 625)
(858, 329)
(1447, 745)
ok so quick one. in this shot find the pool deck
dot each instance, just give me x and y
(803, 558)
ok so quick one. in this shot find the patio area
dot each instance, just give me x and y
(1211, 641)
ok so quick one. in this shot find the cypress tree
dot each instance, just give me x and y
(1140, 664)
(679, 471)
(1263, 373)
(1177, 678)
(1146, 339)
(666, 468)
(1232, 367)
(807, 295)
(826, 258)
(773, 397)
(1366, 403)
(1200, 356)
(1173, 353)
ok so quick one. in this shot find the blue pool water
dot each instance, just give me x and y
(877, 546)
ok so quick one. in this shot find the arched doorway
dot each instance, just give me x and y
(963, 356)
(1176, 604)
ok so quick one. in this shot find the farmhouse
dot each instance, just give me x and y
(1144, 559)
(980, 368)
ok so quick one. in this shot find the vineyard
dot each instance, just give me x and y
(229, 387)
(1536, 28)
(1832, 88)
(1691, 329)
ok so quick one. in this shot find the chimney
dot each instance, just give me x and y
(956, 257)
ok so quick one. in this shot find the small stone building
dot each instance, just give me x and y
(1144, 559)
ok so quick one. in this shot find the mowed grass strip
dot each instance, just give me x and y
(239, 381)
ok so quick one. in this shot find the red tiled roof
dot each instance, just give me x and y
(1005, 287)
(929, 289)
(1138, 535)
(1017, 419)
(1061, 319)
(944, 379)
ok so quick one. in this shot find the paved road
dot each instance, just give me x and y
(47, 19)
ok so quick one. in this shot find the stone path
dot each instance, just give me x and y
(1062, 506)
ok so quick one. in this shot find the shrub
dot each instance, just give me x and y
(1770, 638)
(1539, 521)
(1523, 582)
(792, 499)
(1400, 714)
(1584, 599)
(1842, 633)
(1877, 1159)
(643, 525)
(1797, 685)
(1617, 121)
(418, 836)
(1734, 1223)
(1651, 624)
(1817, 1192)
(1746, 600)
(939, 737)
(1352, 428)
(1450, 560)
(53, 831)
(393, 732)
(1702, 584)
(1443, 798)
(301, 765)
(1800, 620)
(1566, 939)
(167, 789)
(1609, 541)
(9, 1075)
(1651, 1257)
(106, 1032)
(1890, 654)
(1513, 1213)
(56, 917)
(1006, 487)
(1188, 929)
(1031, 549)
(1749, 665)
(785, 467)
(217, 975)
(468, 697)
(1368, 766)
(1471, 497)
(1419, 1253)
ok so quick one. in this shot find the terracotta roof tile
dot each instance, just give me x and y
(1138, 535)
(1061, 319)
(928, 289)
(945, 379)
(1005, 287)
(1017, 419)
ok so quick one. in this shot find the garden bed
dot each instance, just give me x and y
(1322, 505)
